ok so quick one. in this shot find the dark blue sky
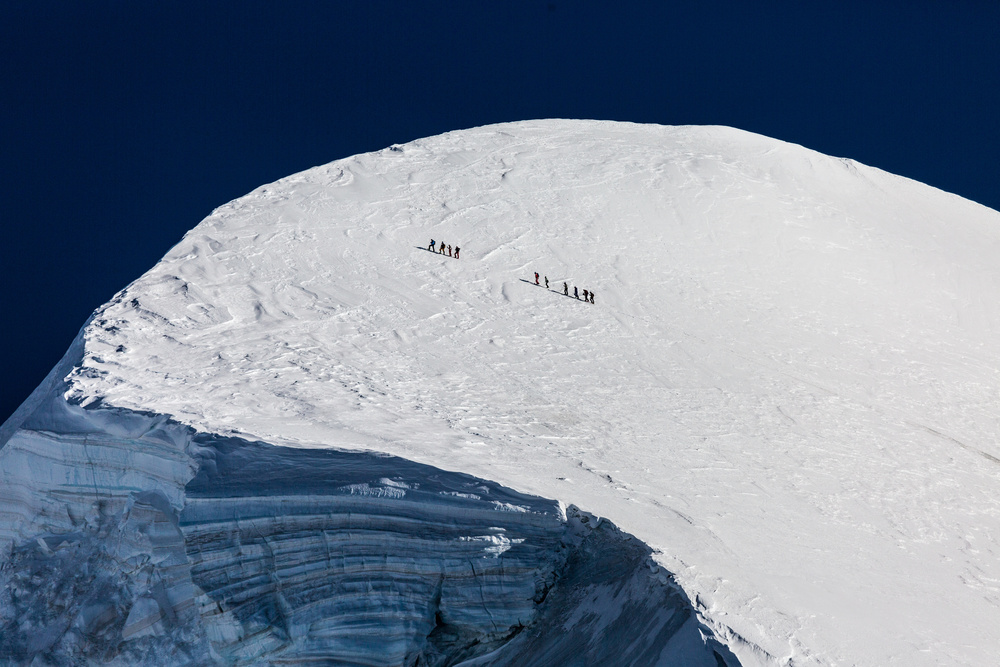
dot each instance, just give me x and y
(123, 126)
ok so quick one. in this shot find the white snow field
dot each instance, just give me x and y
(786, 391)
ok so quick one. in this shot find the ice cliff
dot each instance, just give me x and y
(128, 539)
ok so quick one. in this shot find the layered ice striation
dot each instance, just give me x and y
(306, 550)
(129, 539)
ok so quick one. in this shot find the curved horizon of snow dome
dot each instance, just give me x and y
(770, 440)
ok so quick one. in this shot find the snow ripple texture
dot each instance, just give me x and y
(132, 540)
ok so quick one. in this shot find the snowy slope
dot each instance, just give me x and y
(787, 385)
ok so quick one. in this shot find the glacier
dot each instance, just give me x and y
(303, 437)
(134, 540)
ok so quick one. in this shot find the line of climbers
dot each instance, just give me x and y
(588, 295)
(443, 247)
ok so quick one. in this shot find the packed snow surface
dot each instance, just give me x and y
(786, 385)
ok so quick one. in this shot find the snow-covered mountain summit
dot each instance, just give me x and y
(786, 387)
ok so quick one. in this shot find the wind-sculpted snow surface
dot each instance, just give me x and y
(786, 390)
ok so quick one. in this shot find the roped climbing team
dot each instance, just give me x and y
(444, 248)
(588, 295)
